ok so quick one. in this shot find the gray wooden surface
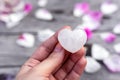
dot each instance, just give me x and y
(13, 56)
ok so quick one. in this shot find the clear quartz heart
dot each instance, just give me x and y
(72, 41)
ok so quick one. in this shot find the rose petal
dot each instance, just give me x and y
(108, 37)
(80, 9)
(113, 63)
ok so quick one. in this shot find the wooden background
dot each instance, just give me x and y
(13, 56)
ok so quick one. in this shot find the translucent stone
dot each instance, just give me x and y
(26, 40)
(99, 52)
(92, 65)
(72, 41)
(44, 14)
(108, 8)
(45, 34)
(113, 63)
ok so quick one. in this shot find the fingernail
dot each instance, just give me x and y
(58, 48)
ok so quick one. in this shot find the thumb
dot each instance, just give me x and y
(52, 62)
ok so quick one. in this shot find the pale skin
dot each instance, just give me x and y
(51, 62)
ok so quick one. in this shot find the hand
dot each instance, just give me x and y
(51, 62)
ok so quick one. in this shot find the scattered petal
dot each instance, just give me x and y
(16, 17)
(89, 33)
(94, 16)
(45, 34)
(117, 48)
(99, 52)
(92, 65)
(42, 3)
(91, 25)
(108, 8)
(2, 5)
(19, 7)
(81, 9)
(11, 24)
(44, 14)
(28, 8)
(108, 37)
(116, 30)
(26, 40)
(113, 63)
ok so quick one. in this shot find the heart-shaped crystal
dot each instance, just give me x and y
(72, 41)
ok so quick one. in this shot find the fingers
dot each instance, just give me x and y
(42, 52)
(69, 64)
(47, 47)
(47, 66)
(77, 71)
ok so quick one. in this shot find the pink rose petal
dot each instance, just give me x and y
(108, 37)
(28, 8)
(82, 6)
(113, 63)
(89, 33)
(81, 9)
(94, 16)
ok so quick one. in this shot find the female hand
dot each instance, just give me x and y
(51, 62)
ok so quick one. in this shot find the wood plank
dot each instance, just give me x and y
(10, 51)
